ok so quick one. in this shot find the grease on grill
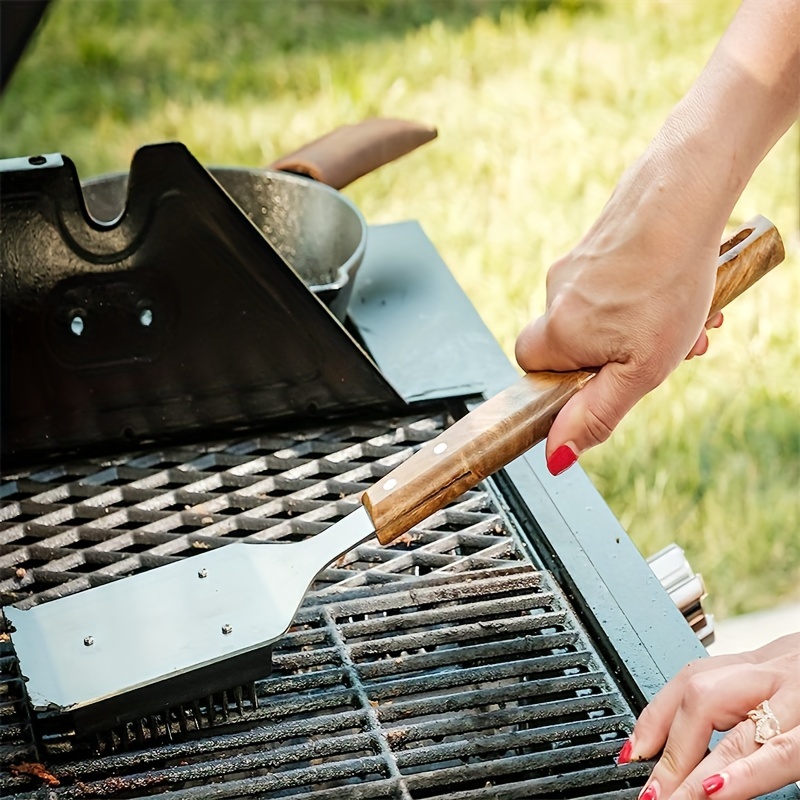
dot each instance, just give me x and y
(445, 666)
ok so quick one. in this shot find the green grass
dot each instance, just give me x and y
(540, 106)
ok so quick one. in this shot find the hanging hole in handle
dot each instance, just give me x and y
(145, 317)
(37, 161)
(733, 241)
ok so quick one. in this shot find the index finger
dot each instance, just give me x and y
(652, 728)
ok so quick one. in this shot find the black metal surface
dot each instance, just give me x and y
(19, 20)
(314, 228)
(419, 325)
(444, 664)
(178, 317)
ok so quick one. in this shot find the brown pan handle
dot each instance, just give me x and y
(511, 422)
(346, 153)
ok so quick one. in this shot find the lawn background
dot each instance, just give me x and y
(539, 106)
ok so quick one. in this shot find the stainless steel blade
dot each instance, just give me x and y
(140, 630)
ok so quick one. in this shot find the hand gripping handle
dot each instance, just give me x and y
(511, 422)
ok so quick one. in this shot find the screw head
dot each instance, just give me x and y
(88, 641)
(203, 573)
(226, 629)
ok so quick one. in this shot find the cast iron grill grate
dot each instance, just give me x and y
(65, 529)
(446, 665)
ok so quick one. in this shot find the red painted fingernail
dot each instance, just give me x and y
(650, 793)
(561, 459)
(713, 784)
(625, 754)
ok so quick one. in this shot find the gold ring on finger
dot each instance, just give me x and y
(767, 725)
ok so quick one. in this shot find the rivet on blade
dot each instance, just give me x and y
(203, 573)
(88, 641)
(226, 629)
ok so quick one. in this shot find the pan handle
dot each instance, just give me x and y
(511, 422)
(340, 157)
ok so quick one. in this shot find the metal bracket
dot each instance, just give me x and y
(177, 317)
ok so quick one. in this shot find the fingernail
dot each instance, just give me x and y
(713, 784)
(561, 459)
(649, 792)
(625, 754)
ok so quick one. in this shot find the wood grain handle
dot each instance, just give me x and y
(340, 157)
(745, 257)
(511, 422)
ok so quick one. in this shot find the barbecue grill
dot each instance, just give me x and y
(500, 649)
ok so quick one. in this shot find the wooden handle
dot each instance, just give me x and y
(745, 256)
(511, 422)
(346, 153)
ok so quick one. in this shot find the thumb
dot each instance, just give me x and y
(589, 417)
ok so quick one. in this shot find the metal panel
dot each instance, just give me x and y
(418, 324)
(177, 317)
(19, 20)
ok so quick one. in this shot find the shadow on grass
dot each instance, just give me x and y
(126, 57)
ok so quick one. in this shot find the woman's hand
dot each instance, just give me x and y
(717, 694)
(632, 298)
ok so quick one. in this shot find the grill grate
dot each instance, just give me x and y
(63, 530)
(444, 665)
